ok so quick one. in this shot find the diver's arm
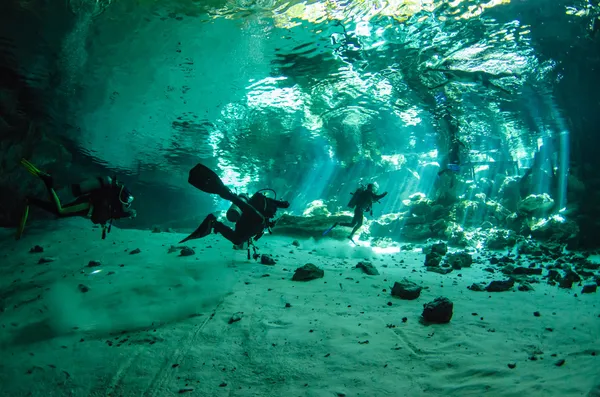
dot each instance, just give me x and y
(377, 197)
(282, 203)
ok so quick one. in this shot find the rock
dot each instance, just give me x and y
(83, 288)
(555, 229)
(418, 205)
(476, 287)
(455, 235)
(46, 259)
(439, 311)
(487, 225)
(316, 208)
(500, 286)
(536, 204)
(186, 251)
(308, 272)
(406, 289)
(499, 239)
(236, 317)
(368, 268)
(587, 264)
(415, 230)
(433, 259)
(440, 270)
(527, 270)
(458, 260)
(553, 275)
(589, 288)
(469, 212)
(568, 279)
(508, 270)
(296, 243)
(267, 260)
(524, 286)
(135, 251)
(527, 247)
(36, 250)
(440, 248)
(312, 226)
(439, 227)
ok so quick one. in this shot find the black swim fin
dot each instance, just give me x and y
(205, 228)
(330, 229)
(208, 181)
(22, 223)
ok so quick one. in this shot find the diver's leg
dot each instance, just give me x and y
(76, 208)
(234, 236)
(359, 222)
(80, 207)
(205, 228)
(45, 205)
(358, 214)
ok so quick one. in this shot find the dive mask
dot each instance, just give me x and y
(125, 197)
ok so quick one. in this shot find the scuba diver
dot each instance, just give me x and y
(453, 163)
(251, 215)
(362, 200)
(101, 199)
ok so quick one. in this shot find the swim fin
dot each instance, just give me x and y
(205, 179)
(33, 170)
(330, 229)
(205, 228)
(22, 223)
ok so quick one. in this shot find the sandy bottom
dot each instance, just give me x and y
(157, 324)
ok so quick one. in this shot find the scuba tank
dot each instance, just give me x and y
(88, 185)
(355, 196)
(234, 212)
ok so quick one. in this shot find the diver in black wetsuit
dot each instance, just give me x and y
(100, 199)
(362, 200)
(251, 215)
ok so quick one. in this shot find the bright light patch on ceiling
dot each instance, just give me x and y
(384, 89)
(410, 117)
(232, 178)
(288, 99)
(363, 29)
(311, 122)
(321, 11)
(353, 119)
(266, 81)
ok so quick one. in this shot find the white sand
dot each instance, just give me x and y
(310, 349)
